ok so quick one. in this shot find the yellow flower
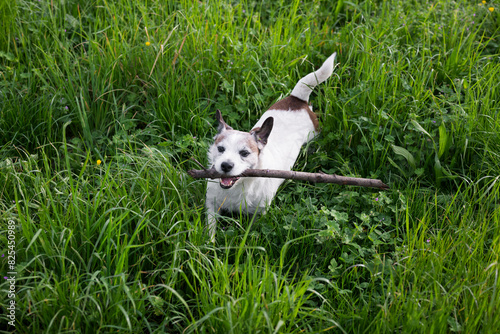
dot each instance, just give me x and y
(484, 1)
(147, 43)
(99, 162)
(491, 9)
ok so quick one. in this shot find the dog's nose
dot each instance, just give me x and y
(226, 166)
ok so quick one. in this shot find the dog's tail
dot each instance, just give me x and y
(305, 85)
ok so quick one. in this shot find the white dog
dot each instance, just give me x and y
(273, 143)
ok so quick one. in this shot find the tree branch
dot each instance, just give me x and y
(292, 175)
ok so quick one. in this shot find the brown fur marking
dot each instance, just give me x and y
(252, 145)
(219, 138)
(292, 103)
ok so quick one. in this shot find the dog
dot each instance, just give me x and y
(273, 143)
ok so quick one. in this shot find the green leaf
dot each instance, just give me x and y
(405, 154)
(396, 166)
(340, 217)
(420, 128)
(227, 86)
(334, 268)
(364, 218)
(438, 169)
(383, 114)
(378, 146)
(338, 9)
(7, 55)
(454, 324)
(444, 140)
(73, 22)
(390, 138)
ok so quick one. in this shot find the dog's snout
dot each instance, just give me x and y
(226, 166)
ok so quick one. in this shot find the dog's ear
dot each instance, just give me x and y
(222, 125)
(261, 134)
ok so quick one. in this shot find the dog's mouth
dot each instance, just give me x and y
(228, 182)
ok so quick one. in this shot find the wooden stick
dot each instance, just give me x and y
(292, 175)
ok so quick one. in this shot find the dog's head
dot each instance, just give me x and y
(234, 151)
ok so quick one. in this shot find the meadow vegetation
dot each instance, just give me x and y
(103, 103)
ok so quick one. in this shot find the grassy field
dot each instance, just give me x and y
(103, 103)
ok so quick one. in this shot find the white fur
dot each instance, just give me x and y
(290, 130)
(306, 85)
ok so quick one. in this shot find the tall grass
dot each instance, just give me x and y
(103, 103)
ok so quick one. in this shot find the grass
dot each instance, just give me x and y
(121, 246)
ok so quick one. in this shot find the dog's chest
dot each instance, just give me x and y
(249, 195)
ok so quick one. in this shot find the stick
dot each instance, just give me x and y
(292, 175)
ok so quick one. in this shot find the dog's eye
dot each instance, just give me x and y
(221, 149)
(244, 153)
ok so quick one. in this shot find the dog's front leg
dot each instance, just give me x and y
(211, 223)
(210, 204)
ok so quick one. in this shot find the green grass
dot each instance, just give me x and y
(121, 246)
